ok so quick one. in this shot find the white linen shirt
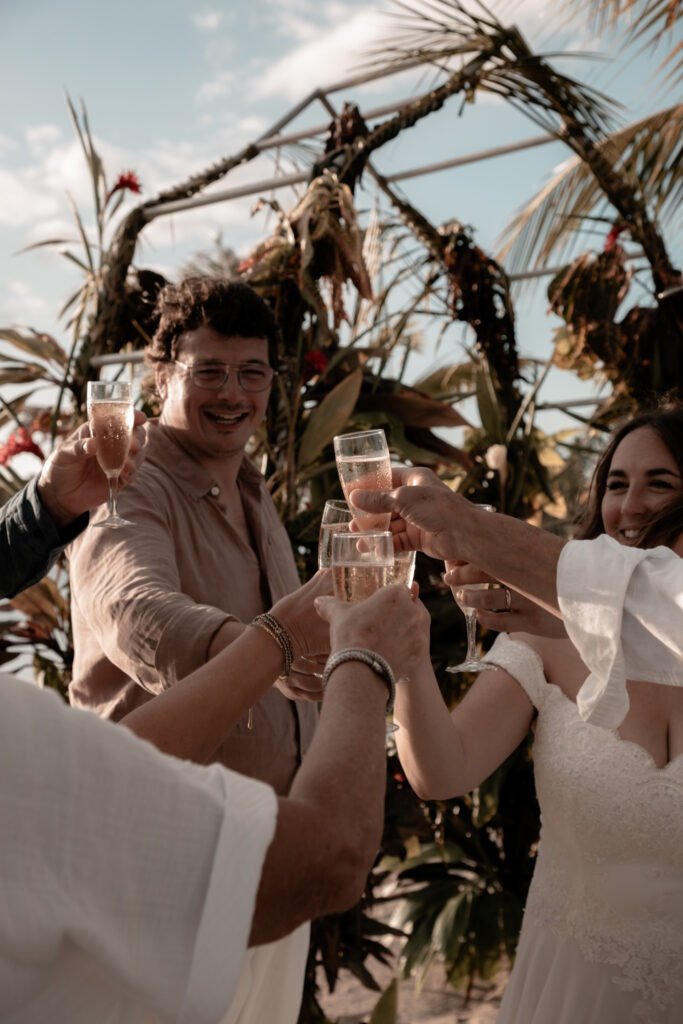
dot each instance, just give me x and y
(623, 611)
(128, 877)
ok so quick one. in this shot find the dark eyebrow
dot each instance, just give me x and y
(219, 362)
(650, 472)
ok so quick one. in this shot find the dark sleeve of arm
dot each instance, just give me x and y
(30, 540)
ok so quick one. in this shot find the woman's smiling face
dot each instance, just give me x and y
(643, 478)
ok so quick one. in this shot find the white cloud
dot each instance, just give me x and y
(207, 20)
(41, 137)
(22, 200)
(333, 53)
(7, 145)
(218, 86)
(19, 304)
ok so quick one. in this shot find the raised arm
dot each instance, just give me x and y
(330, 826)
(190, 719)
(445, 525)
(38, 522)
(447, 753)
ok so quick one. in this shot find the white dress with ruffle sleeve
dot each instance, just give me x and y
(602, 938)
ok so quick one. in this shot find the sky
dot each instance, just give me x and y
(172, 86)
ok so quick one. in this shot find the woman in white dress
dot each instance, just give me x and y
(602, 939)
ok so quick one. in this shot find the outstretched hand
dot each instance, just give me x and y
(392, 622)
(71, 481)
(496, 611)
(424, 512)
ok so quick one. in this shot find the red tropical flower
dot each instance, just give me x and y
(18, 442)
(315, 363)
(613, 235)
(127, 181)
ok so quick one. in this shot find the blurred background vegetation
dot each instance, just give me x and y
(354, 292)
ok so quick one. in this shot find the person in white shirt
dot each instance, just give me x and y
(133, 882)
(602, 940)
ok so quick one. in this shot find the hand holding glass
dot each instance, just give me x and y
(110, 417)
(472, 662)
(363, 461)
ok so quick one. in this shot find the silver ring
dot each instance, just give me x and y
(508, 601)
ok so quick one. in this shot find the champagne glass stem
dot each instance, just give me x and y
(112, 481)
(471, 623)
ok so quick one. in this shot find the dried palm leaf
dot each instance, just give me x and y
(649, 152)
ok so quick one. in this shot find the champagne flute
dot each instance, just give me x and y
(472, 662)
(110, 416)
(361, 563)
(336, 518)
(363, 461)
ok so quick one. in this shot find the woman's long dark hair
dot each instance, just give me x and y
(667, 423)
(663, 528)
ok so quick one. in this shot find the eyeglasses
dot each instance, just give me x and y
(212, 376)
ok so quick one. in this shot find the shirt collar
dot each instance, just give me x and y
(166, 450)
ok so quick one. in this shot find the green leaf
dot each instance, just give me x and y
(489, 410)
(419, 410)
(386, 1009)
(23, 374)
(47, 242)
(81, 231)
(330, 417)
(36, 344)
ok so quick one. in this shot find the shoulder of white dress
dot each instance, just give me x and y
(523, 663)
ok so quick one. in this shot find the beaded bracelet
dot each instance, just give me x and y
(373, 660)
(279, 635)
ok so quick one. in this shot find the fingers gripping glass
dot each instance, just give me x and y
(213, 376)
(472, 662)
(110, 417)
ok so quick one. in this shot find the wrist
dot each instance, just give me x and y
(379, 665)
(61, 515)
(280, 635)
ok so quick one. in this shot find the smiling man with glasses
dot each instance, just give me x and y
(207, 552)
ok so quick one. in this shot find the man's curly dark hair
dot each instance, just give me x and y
(230, 308)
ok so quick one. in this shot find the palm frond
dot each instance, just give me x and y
(649, 152)
(649, 21)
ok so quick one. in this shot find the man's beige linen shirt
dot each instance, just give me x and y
(147, 600)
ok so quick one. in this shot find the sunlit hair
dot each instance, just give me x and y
(664, 528)
(667, 423)
(230, 308)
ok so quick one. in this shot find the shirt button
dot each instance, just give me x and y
(215, 490)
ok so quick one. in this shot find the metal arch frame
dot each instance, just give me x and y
(273, 139)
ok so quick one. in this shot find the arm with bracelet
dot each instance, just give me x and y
(190, 719)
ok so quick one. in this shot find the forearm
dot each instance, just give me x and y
(447, 754)
(191, 719)
(30, 540)
(513, 552)
(330, 827)
(428, 743)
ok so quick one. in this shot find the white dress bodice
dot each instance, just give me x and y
(608, 883)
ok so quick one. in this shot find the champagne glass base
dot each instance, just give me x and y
(114, 522)
(472, 665)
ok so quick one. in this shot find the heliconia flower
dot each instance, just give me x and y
(18, 442)
(127, 181)
(613, 235)
(315, 363)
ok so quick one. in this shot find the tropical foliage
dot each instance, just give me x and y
(352, 296)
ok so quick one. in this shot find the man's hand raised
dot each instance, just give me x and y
(71, 481)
